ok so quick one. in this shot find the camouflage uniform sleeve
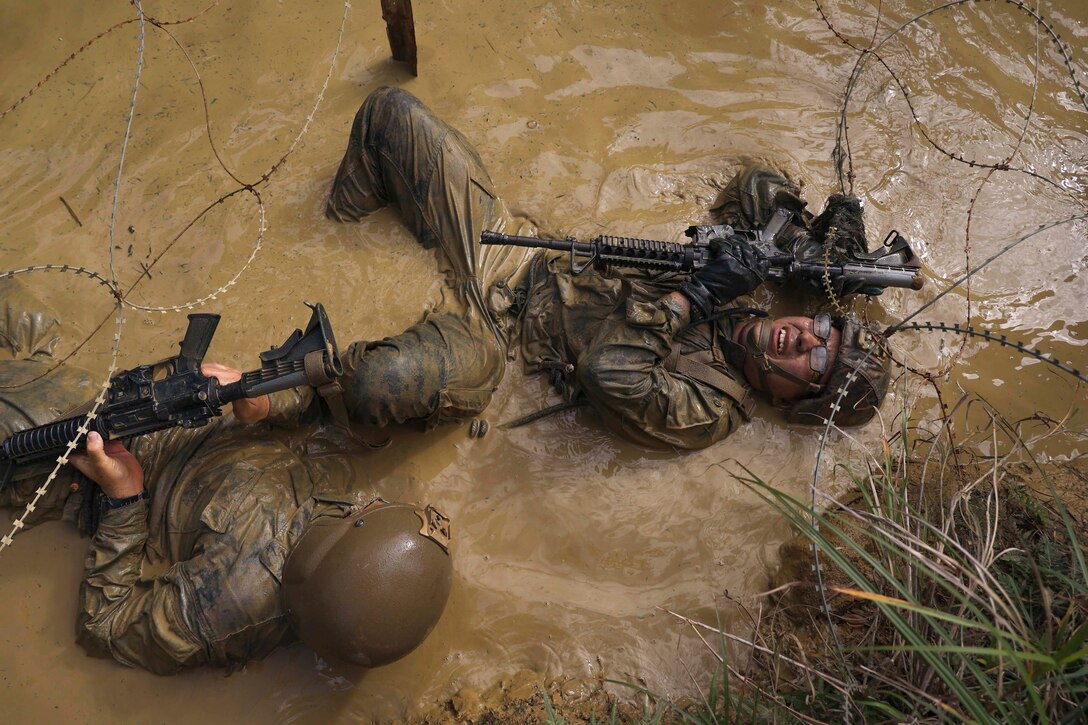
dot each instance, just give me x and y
(287, 406)
(144, 624)
(624, 376)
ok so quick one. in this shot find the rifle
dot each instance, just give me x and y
(893, 264)
(173, 392)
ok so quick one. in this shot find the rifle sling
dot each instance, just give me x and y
(691, 367)
(327, 387)
(333, 395)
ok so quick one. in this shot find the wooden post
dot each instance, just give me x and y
(401, 29)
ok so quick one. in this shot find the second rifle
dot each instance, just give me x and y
(893, 264)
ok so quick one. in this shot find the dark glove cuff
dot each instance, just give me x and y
(699, 297)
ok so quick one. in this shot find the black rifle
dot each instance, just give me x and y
(174, 392)
(893, 264)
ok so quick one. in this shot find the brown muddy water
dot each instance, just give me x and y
(625, 116)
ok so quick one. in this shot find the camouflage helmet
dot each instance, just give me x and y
(368, 588)
(863, 367)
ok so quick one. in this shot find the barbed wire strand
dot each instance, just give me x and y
(250, 188)
(81, 49)
(841, 154)
(121, 298)
(100, 398)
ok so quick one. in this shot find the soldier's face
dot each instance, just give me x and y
(792, 345)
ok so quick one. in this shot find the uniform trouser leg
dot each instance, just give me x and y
(447, 366)
(441, 370)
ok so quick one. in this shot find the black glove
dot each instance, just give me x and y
(734, 269)
(843, 215)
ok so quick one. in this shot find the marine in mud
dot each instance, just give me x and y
(666, 360)
(260, 539)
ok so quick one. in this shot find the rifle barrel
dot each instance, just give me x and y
(561, 245)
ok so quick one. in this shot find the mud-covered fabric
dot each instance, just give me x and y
(441, 370)
(32, 393)
(447, 367)
(618, 333)
(224, 508)
(227, 501)
(226, 504)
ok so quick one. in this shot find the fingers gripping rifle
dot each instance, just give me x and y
(893, 264)
(174, 392)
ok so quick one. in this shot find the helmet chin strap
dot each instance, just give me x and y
(756, 347)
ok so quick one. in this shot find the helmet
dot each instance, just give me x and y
(368, 588)
(863, 367)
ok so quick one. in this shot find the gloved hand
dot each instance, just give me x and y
(734, 269)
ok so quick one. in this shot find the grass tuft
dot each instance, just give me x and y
(952, 593)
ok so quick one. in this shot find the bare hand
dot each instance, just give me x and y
(111, 466)
(246, 410)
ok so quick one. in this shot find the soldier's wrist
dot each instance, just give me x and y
(110, 503)
(698, 298)
(123, 521)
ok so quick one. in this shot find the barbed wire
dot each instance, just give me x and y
(83, 48)
(243, 186)
(81, 432)
(120, 296)
(127, 137)
(100, 398)
(842, 156)
(998, 338)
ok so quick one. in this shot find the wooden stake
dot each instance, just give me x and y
(400, 26)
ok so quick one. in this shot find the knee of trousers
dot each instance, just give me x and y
(388, 388)
(389, 383)
(435, 372)
(394, 135)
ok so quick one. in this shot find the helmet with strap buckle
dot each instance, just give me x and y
(369, 587)
(862, 369)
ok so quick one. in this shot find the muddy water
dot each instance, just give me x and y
(625, 116)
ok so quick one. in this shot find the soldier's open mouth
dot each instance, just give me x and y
(781, 343)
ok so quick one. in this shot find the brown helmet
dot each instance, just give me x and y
(863, 368)
(368, 588)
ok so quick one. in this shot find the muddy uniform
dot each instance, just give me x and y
(225, 506)
(650, 375)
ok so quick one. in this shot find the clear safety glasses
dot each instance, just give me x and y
(819, 358)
